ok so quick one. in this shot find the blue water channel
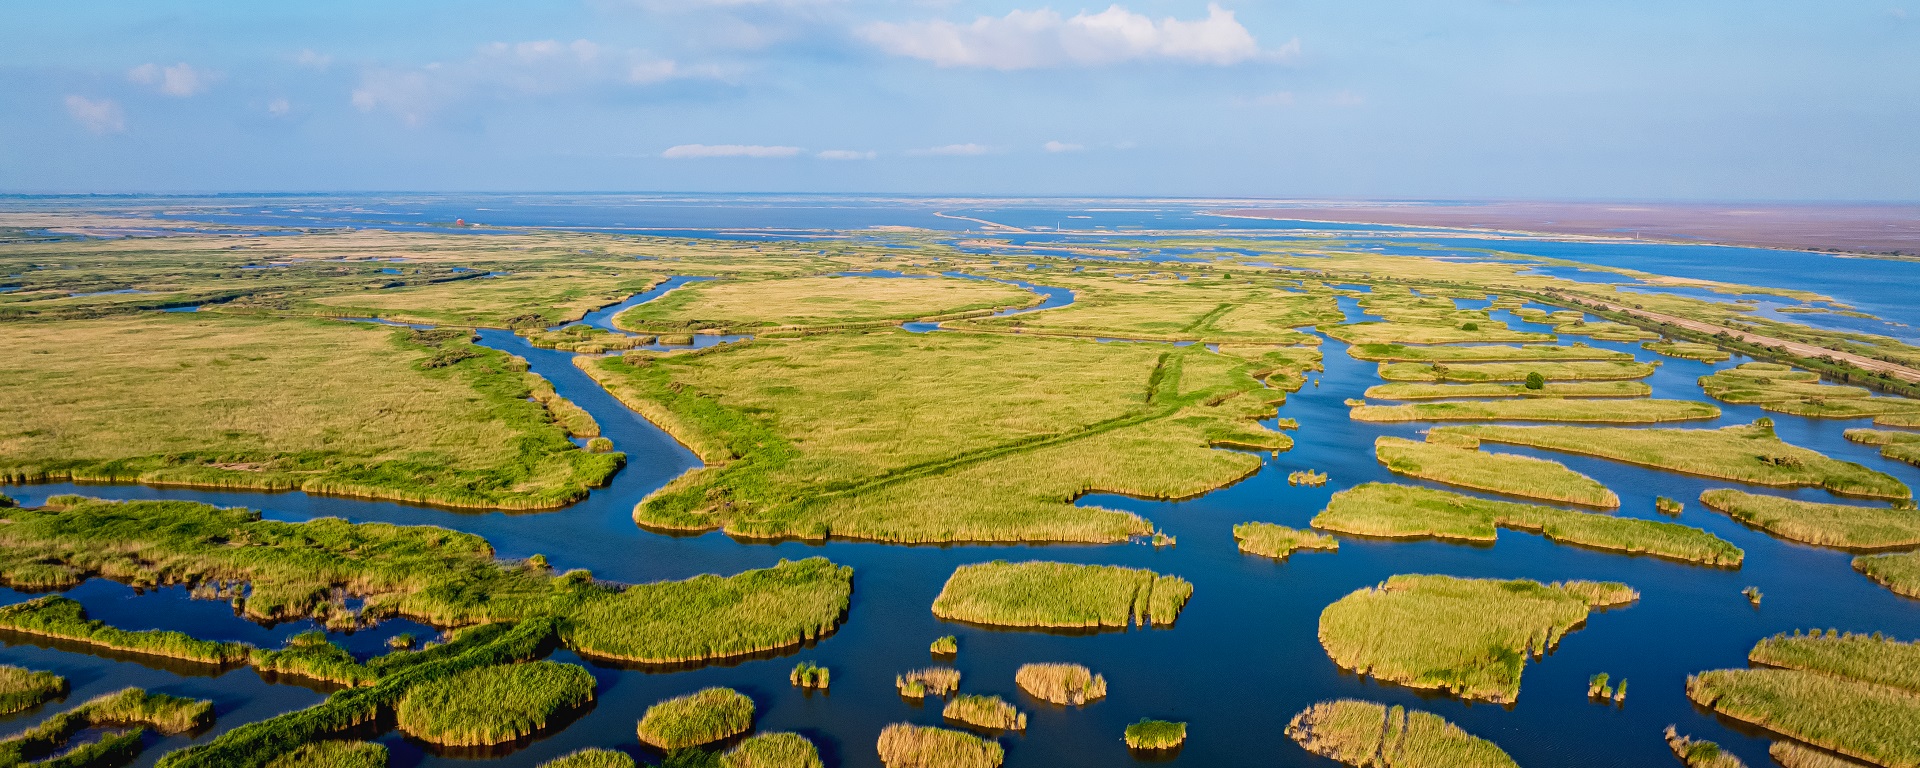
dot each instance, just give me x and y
(1242, 659)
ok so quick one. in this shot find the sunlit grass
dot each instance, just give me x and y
(1831, 525)
(1369, 735)
(1061, 683)
(1045, 594)
(751, 304)
(1279, 541)
(903, 745)
(22, 689)
(1476, 373)
(1498, 472)
(493, 705)
(697, 718)
(1545, 409)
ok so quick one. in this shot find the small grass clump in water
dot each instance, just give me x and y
(990, 712)
(904, 745)
(1470, 637)
(1070, 684)
(23, 689)
(1858, 695)
(1155, 734)
(591, 758)
(311, 655)
(1501, 473)
(1750, 454)
(807, 674)
(170, 715)
(1307, 477)
(701, 717)
(1400, 511)
(1279, 541)
(1696, 753)
(335, 754)
(1599, 688)
(1544, 409)
(938, 681)
(1687, 350)
(1831, 525)
(1752, 594)
(1369, 735)
(945, 646)
(493, 705)
(61, 618)
(1045, 594)
(1783, 389)
(772, 750)
(1667, 506)
(1899, 446)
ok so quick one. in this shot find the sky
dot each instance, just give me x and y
(1433, 99)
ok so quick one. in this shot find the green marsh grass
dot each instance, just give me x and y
(1279, 541)
(1389, 353)
(334, 754)
(989, 712)
(1368, 735)
(1307, 477)
(1060, 595)
(24, 689)
(711, 617)
(1594, 389)
(1401, 511)
(169, 715)
(701, 717)
(1070, 684)
(904, 745)
(1687, 350)
(1543, 409)
(1192, 310)
(1469, 637)
(807, 674)
(1848, 526)
(493, 705)
(1899, 446)
(917, 684)
(1791, 755)
(1695, 753)
(1753, 595)
(772, 750)
(312, 655)
(1667, 506)
(945, 646)
(1784, 389)
(61, 618)
(1868, 722)
(1155, 734)
(1501, 473)
(1900, 573)
(746, 305)
(1482, 373)
(1483, 332)
(591, 758)
(1867, 658)
(1750, 454)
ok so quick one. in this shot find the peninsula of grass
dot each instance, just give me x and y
(1469, 637)
(748, 305)
(1481, 373)
(904, 745)
(872, 436)
(1416, 391)
(1900, 573)
(701, 717)
(1388, 333)
(1069, 684)
(24, 689)
(919, 683)
(202, 400)
(1899, 446)
(59, 618)
(493, 705)
(1368, 735)
(1060, 595)
(988, 712)
(1497, 472)
(1279, 541)
(130, 707)
(1155, 735)
(337, 754)
(1749, 454)
(1868, 722)
(1873, 659)
(313, 656)
(1847, 526)
(1784, 389)
(592, 757)
(1695, 753)
(1687, 350)
(1400, 511)
(772, 750)
(1543, 409)
(1394, 353)
(1791, 755)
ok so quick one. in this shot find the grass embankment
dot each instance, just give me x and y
(57, 617)
(772, 750)
(903, 437)
(701, 717)
(917, 684)
(1399, 511)
(1900, 573)
(1044, 594)
(1784, 389)
(1498, 472)
(493, 705)
(1791, 755)
(1545, 409)
(312, 655)
(424, 416)
(131, 707)
(1687, 350)
(1830, 525)
(1155, 734)
(1695, 753)
(592, 757)
(989, 712)
(1060, 683)
(1899, 446)
(1414, 391)
(24, 689)
(748, 305)
(903, 745)
(1469, 637)
(1369, 735)
(335, 754)
(1480, 373)
(1749, 454)
(433, 575)
(1278, 541)
(1391, 353)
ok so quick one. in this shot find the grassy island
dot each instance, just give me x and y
(201, 400)
(1482, 332)
(1899, 446)
(1695, 753)
(1155, 734)
(1400, 511)
(337, 754)
(1501, 473)
(1687, 350)
(592, 757)
(1170, 309)
(494, 705)
(133, 707)
(1368, 735)
(903, 745)
(944, 646)
(1749, 454)
(1044, 594)
(772, 750)
(1900, 573)
(1395, 353)
(1870, 659)
(1417, 391)
(311, 655)
(24, 689)
(1469, 637)
(989, 712)
(1868, 722)
(1480, 373)
(1830, 525)
(583, 339)
(1543, 409)
(1784, 389)
(938, 681)
(748, 305)
(1278, 541)
(701, 717)
(1060, 683)
(59, 618)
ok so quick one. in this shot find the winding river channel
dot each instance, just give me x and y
(1242, 659)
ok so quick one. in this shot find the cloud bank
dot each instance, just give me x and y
(1044, 38)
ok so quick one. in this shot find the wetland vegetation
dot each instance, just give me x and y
(1480, 373)
(1899, 446)
(1848, 526)
(22, 689)
(1070, 684)
(1279, 541)
(1060, 595)
(1543, 409)
(1498, 472)
(336, 754)
(988, 712)
(772, 750)
(701, 717)
(1417, 391)
(1155, 735)
(903, 745)
(1686, 350)
(1490, 353)
(493, 705)
(1368, 735)
(131, 708)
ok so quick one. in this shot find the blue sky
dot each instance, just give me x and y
(1568, 99)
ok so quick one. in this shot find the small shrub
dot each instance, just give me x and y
(1535, 381)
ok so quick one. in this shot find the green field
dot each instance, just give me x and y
(1477, 373)
(753, 304)
(522, 299)
(1497, 472)
(1545, 409)
(1368, 735)
(1043, 594)
(1849, 526)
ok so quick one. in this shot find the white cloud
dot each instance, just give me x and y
(954, 149)
(102, 117)
(698, 151)
(1061, 146)
(846, 154)
(1348, 99)
(180, 80)
(310, 59)
(501, 70)
(1044, 38)
(279, 107)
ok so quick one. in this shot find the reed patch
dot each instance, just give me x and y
(1368, 735)
(1542, 409)
(493, 705)
(1279, 541)
(903, 745)
(989, 712)
(1061, 595)
(1070, 684)
(1848, 526)
(24, 689)
(1500, 473)
(1155, 735)
(701, 717)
